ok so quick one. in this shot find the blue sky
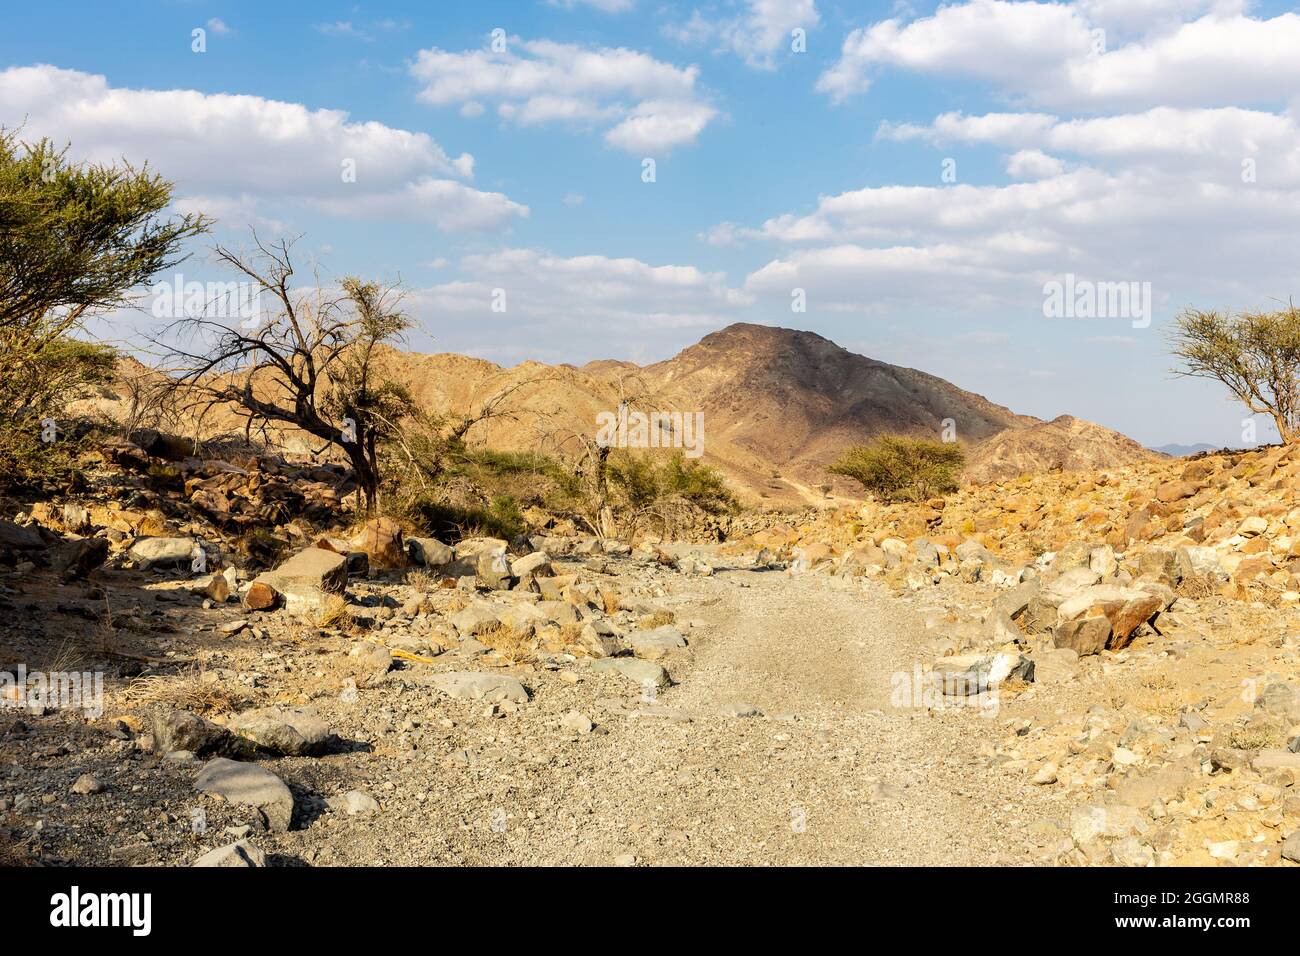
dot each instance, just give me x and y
(1147, 141)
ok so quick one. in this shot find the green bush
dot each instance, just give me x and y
(451, 522)
(897, 468)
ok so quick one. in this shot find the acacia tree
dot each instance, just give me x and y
(1255, 354)
(899, 468)
(310, 364)
(75, 240)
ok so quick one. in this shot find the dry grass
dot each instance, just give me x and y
(657, 619)
(1254, 738)
(14, 851)
(334, 613)
(68, 657)
(422, 580)
(1196, 587)
(509, 643)
(186, 690)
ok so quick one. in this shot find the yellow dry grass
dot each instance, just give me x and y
(186, 690)
(657, 619)
(510, 644)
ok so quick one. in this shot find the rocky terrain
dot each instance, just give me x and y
(1063, 669)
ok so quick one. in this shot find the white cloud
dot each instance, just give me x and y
(964, 247)
(757, 35)
(646, 105)
(241, 151)
(219, 27)
(1210, 142)
(452, 206)
(1033, 164)
(366, 33)
(1052, 53)
(606, 301)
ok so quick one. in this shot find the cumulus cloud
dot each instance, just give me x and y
(239, 151)
(1034, 164)
(645, 105)
(756, 35)
(1061, 54)
(1212, 142)
(603, 301)
(1147, 140)
(966, 246)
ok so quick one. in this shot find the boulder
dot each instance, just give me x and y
(493, 569)
(239, 854)
(248, 784)
(538, 564)
(1071, 582)
(148, 553)
(1084, 636)
(429, 552)
(472, 685)
(558, 612)
(1177, 490)
(301, 583)
(381, 541)
(965, 675)
(80, 557)
(475, 619)
(972, 550)
(290, 732)
(14, 537)
(655, 644)
(1163, 564)
(180, 730)
(600, 639)
(1252, 526)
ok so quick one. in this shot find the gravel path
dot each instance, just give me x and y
(830, 774)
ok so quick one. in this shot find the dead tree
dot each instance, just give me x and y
(308, 362)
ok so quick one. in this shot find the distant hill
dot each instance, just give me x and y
(1065, 443)
(1182, 451)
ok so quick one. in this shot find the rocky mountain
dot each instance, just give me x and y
(778, 405)
(1065, 443)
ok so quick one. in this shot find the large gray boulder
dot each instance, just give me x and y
(479, 685)
(429, 552)
(291, 732)
(248, 784)
(148, 553)
(175, 730)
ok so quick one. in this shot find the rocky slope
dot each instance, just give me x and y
(1065, 443)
